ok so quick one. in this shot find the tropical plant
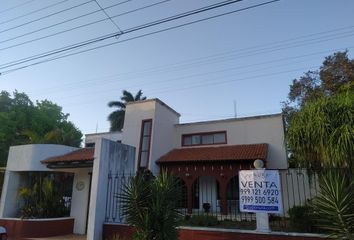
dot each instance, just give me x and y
(150, 205)
(203, 220)
(334, 205)
(42, 199)
(302, 218)
(68, 135)
(322, 133)
(115, 237)
(116, 118)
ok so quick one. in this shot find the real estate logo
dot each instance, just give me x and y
(260, 191)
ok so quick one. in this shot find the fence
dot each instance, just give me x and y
(297, 188)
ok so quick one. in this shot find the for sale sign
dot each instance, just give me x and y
(260, 191)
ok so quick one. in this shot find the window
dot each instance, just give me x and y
(219, 138)
(90, 145)
(208, 138)
(145, 139)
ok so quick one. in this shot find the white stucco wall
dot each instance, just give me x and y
(8, 203)
(134, 114)
(29, 157)
(110, 157)
(113, 136)
(167, 133)
(80, 197)
(164, 130)
(261, 129)
(24, 158)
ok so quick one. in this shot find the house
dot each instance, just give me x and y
(206, 156)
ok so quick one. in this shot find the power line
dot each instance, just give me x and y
(101, 80)
(137, 28)
(104, 11)
(245, 55)
(46, 16)
(151, 33)
(218, 82)
(16, 6)
(32, 12)
(213, 82)
(130, 30)
(193, 76)
(69, 20)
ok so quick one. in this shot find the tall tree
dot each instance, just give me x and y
(23, 122)
(335, 74)
(116, 118)
(322, 132)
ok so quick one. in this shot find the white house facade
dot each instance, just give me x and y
(206, 156)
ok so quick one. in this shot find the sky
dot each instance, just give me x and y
(238, 64)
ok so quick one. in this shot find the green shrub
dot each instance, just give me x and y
(42, 201)
(150, 205)
(116, 237)
(203, 220)
(301, 218)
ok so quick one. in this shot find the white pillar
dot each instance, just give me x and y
(262, 219)
(80, 197)
(262, 222)
(109, 156)
(8, 204)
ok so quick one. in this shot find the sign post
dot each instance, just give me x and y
(260, 193)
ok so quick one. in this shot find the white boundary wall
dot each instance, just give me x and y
(109, 157)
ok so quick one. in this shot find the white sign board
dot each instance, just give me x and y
(260, 191)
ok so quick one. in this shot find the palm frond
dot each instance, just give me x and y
(127, 96)
(139, 96)
(335, 205)
(150, 204)
(118, 104)
(116, 118)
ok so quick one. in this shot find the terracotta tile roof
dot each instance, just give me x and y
(83, 154)
(233, 152)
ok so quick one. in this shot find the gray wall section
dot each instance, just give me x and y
(110, 157)
(8, 206)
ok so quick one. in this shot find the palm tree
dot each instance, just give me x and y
(116, 118)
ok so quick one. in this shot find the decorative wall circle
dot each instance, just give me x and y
(80, 185)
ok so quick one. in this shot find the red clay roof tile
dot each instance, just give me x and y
(233, 152)
(83, 154)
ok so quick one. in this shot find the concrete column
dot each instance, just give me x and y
(80, 197)
(8, 204)
(262, 219)
(189, 186)
(223, 197)
(109, 157)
